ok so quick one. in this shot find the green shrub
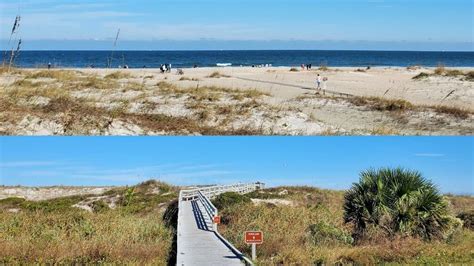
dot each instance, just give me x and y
(58, 204)
(100, 206)
(325, 233)
(468, 219)
(229, 199)
(398, 201)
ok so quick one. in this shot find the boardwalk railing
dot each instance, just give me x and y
(204, 196)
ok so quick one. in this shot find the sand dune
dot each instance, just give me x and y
(236, 100)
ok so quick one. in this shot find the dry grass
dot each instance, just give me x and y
(442, 71)
(118, 75)
(188, 79)
(453, 111)
(312, 232)
(217, 74)
(470, 76)
(10, 70)
(382, 104)
(68, 104)
(54, 232)
(294, 69)
(60, 75)
(384, 131)
(422, 75)
(323, 68)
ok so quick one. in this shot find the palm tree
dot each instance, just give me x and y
(397, 201)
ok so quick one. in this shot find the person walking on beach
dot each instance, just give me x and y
(318, 82)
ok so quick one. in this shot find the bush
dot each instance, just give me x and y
(398, 201)
(454, 73)
(468, 219)
(100, 206)
(470, 76)
(325, 233)
(229, 199)
(422, 75)
(440, 70)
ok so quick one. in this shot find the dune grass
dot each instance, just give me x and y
(118, 75)
(312, 231)
(140, 229)
(442, 71)
(217, 74)
(54, 232)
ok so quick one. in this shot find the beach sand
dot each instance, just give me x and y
(380, 101)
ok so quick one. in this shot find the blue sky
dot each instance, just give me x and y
(332, 162)
(383, 24)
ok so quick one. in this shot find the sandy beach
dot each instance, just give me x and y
(239, 100)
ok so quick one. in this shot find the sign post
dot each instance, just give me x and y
(254, 238)
(216, 221)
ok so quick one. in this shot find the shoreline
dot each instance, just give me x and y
(315, 68)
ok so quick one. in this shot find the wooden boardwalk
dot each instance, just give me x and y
(197, 242)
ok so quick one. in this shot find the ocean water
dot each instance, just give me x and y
(153, 59)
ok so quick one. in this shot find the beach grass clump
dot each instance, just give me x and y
(323, 68)
(470, 76)
(382, 104)
(60, 75)
(188, 79)
(384, 131)
(25, 84)
(457, 112)
(453, 73)
(422, 75)
(294, 69)
(217, 74)
(10, 70)
(96, 82)
(440, 70)
(118, 75)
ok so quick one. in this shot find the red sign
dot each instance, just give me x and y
(217, 220)
(254, 237)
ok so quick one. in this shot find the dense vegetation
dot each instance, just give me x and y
(308, 226)
(54, 231)
(301, 225)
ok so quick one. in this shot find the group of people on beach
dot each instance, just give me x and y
(306, 66)
(165, 68)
